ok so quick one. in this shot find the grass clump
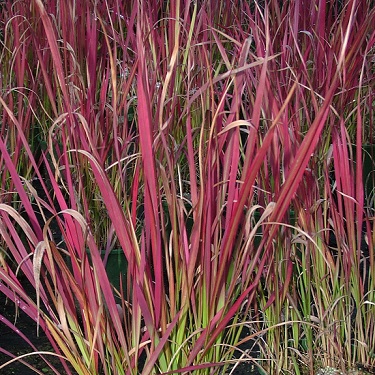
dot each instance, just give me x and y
(211, 142)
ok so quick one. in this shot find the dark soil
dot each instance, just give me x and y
(13, 343)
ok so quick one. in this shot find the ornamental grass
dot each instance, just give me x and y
(219, 146)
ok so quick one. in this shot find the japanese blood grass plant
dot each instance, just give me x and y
(166, 132)
(172, 316)
(322, 258)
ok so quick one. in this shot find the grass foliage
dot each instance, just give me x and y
(218, 144)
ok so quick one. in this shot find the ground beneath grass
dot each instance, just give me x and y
(13, 343)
